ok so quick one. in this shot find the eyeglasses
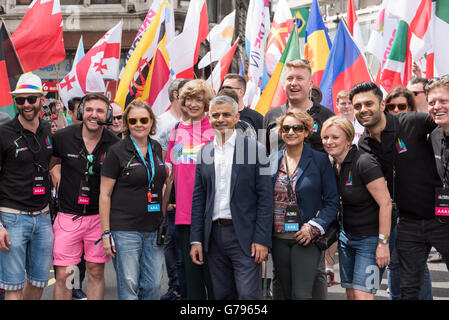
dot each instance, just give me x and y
(304, 61)
(30, 99)
(392, 106)
(296, 128)
(229, 87)
(117, 117)
(143, 120)
(418, 92)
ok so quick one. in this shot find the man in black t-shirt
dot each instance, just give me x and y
(298, 88)
(238, 84)
(26, 236)
(81, 150)
(400, 144)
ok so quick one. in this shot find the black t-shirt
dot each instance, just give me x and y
(24, 156)
(405, 141)
(360, 210)
(68, 145)
(319, 114)
(129, 197)
(254, 118)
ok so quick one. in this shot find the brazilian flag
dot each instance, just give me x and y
(300, 16)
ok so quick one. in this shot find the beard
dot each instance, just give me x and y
(28, 116)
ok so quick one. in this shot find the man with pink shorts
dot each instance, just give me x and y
(78, 154)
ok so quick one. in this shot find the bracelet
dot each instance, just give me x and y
(105, 234)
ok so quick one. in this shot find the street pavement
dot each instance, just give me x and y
(438, 271)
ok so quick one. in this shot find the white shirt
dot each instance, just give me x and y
(164, 125)
(359, 129)
(223, 158)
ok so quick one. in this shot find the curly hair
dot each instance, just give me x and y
(197, 88)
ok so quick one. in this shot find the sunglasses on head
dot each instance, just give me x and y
(296, 128)
(30, 99)
(392, 106)
(143, 120)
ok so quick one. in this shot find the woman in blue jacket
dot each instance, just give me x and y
(305, 203)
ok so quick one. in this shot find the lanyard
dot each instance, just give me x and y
(444, 161)
(150, 152)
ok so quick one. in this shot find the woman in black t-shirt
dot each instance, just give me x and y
(132, 178)
(366, 211)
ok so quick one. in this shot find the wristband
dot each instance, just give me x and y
(105, 234)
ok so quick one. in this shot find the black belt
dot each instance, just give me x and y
(223, 222)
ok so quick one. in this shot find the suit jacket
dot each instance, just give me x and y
(251, 195)
(316, 188)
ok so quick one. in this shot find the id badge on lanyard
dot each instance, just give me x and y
(38, 185)
(442, 202)
(84, 193)
(153, 203)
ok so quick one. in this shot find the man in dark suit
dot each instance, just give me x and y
(232, 207)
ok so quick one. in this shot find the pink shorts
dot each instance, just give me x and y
(72, 237)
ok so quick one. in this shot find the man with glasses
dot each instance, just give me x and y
(237, 83)
(26, 235)
(81, 150)
(400, 144)
(416, 85)
(117, 114)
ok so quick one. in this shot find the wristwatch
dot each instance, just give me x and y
(383, 238)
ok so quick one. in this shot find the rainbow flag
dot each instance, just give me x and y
(318, 44)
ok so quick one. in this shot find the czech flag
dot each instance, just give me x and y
(318, 43)
(345, 67)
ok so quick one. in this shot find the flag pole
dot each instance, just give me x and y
(57, 80)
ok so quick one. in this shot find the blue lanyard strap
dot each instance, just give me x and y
(150, 152)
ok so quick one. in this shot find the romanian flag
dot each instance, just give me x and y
(9, 66)
(274, 95)
(345, 67)
(318, 43)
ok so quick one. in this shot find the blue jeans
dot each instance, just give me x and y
(357, 258)
(31, 249)
(138, 265)
(394, 279)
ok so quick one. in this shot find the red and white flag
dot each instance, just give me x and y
(38, 39)
(100, 63)
(354, 27)
(183, 50)
(221, 69)
(69, 87)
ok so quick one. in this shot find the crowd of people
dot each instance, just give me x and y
(211, 188)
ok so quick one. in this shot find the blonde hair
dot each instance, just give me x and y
(301, 116)
(133, 105)
(343, 94)
(299, 63)
(344, 124)
(196, 88)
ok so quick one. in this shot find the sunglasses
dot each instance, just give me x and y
(91, 158)
(117, 117)
(133, 121)
(229, 87)
(418, 92)
(30, 99)
(296, 128)
(401, 106)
